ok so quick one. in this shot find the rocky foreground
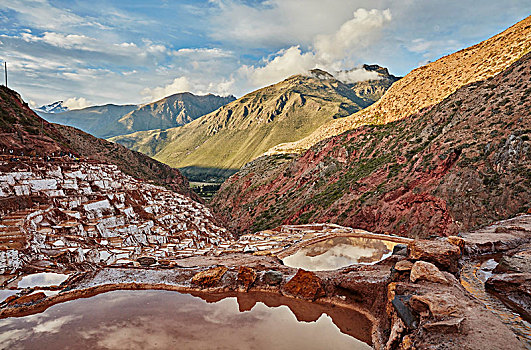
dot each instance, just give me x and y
(413, 299)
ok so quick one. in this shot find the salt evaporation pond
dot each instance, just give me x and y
(42, 279)
(151, 319)
(338, 252)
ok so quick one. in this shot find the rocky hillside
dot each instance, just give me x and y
(22, 132)
(430, 84)
(242, 130)
(112, 120)
(456, 165)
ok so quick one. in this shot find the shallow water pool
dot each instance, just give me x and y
(338, 252)
(170, 320)
(42, 279)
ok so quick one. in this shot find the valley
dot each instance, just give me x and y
(335, 208)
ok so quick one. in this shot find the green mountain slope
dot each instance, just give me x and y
(224, 140)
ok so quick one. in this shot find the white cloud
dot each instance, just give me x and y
(203, 52)
(279, 23)
(329, 51)
(360, 31)
(76, 103)
(41, 14)
(197, 86)
(355, 75)
(286, 63)
(181, 84)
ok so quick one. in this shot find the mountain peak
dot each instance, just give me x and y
(320, 74)
(55, 107)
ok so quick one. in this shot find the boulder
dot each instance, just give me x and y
(210, 277)
(306, 285)
(272, 278)
(246, 277)
(146, 260)
(439, 252)
(400, 249)
(457, 241)
(439, 304)
(400, 303)
(425, 271)
(403, 265)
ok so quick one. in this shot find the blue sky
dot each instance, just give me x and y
(96, 52)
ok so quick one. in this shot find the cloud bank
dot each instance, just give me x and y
(102, 52)
(330, 52)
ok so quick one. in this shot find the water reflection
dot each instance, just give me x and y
(164, 320)
(339, 252)
(43, 279)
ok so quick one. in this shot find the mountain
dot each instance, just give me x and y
(56, 107)
(99, 121)
(458, 164)
(430, 84)
(112, 120)
(24, 132)
(218, 144)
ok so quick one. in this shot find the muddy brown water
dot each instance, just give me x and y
(156, 319)
(338, 252)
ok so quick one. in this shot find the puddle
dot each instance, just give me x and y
(339, 252)
(6, 293)
(43, 279)
(155, 319)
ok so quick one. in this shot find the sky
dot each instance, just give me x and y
(127, 51)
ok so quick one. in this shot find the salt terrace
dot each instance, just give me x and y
(59, 214)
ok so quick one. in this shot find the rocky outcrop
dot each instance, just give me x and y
(440, 252)
(306, 285)
(462, 163)
(511, 280)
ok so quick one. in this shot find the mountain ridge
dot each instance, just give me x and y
(243, 129)
(430, 84)
(112, 120)
(462, 163)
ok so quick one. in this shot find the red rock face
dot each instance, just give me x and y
(454, 166)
